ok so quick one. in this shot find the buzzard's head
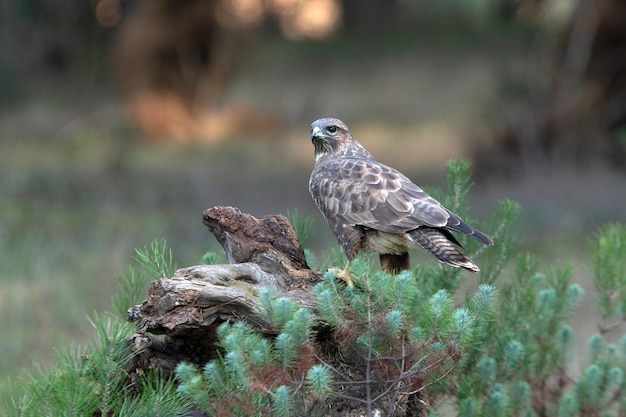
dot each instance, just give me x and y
(329, 136)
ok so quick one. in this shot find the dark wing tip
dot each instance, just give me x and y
(455, 223)
(480, 236)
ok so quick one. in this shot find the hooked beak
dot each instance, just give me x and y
(316, 132)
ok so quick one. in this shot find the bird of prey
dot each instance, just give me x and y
(372, 207)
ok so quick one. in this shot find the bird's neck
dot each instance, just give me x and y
(355, 149)
(352, 149)
(322, 148)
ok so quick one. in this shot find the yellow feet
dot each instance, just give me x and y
(343, 274)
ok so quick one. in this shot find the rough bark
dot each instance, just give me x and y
(188, 307)
(180, 317)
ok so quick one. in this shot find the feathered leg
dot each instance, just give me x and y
(394, 264)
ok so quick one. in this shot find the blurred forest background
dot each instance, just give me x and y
(122, 120)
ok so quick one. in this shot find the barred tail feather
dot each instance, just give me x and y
(437, 244)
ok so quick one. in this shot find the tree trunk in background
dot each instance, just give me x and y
(580, 117)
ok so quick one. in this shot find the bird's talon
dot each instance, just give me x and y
(342, 274)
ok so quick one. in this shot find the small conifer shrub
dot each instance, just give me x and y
(431, 341)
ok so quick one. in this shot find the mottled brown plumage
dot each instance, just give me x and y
(375, 208)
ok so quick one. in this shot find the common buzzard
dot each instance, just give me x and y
(374, 208)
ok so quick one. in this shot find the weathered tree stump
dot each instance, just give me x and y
(181, 315)
(188, 307)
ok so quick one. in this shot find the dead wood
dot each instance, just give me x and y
(188, 307)
(179, 318)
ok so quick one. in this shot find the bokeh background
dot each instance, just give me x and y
(122, 120)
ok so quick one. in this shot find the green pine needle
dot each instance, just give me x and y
(320, 380)
(283, 401)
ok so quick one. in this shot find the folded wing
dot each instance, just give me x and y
(373, 195)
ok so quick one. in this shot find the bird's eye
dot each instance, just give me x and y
(332, 129)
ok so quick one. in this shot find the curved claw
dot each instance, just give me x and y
(343, 274)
